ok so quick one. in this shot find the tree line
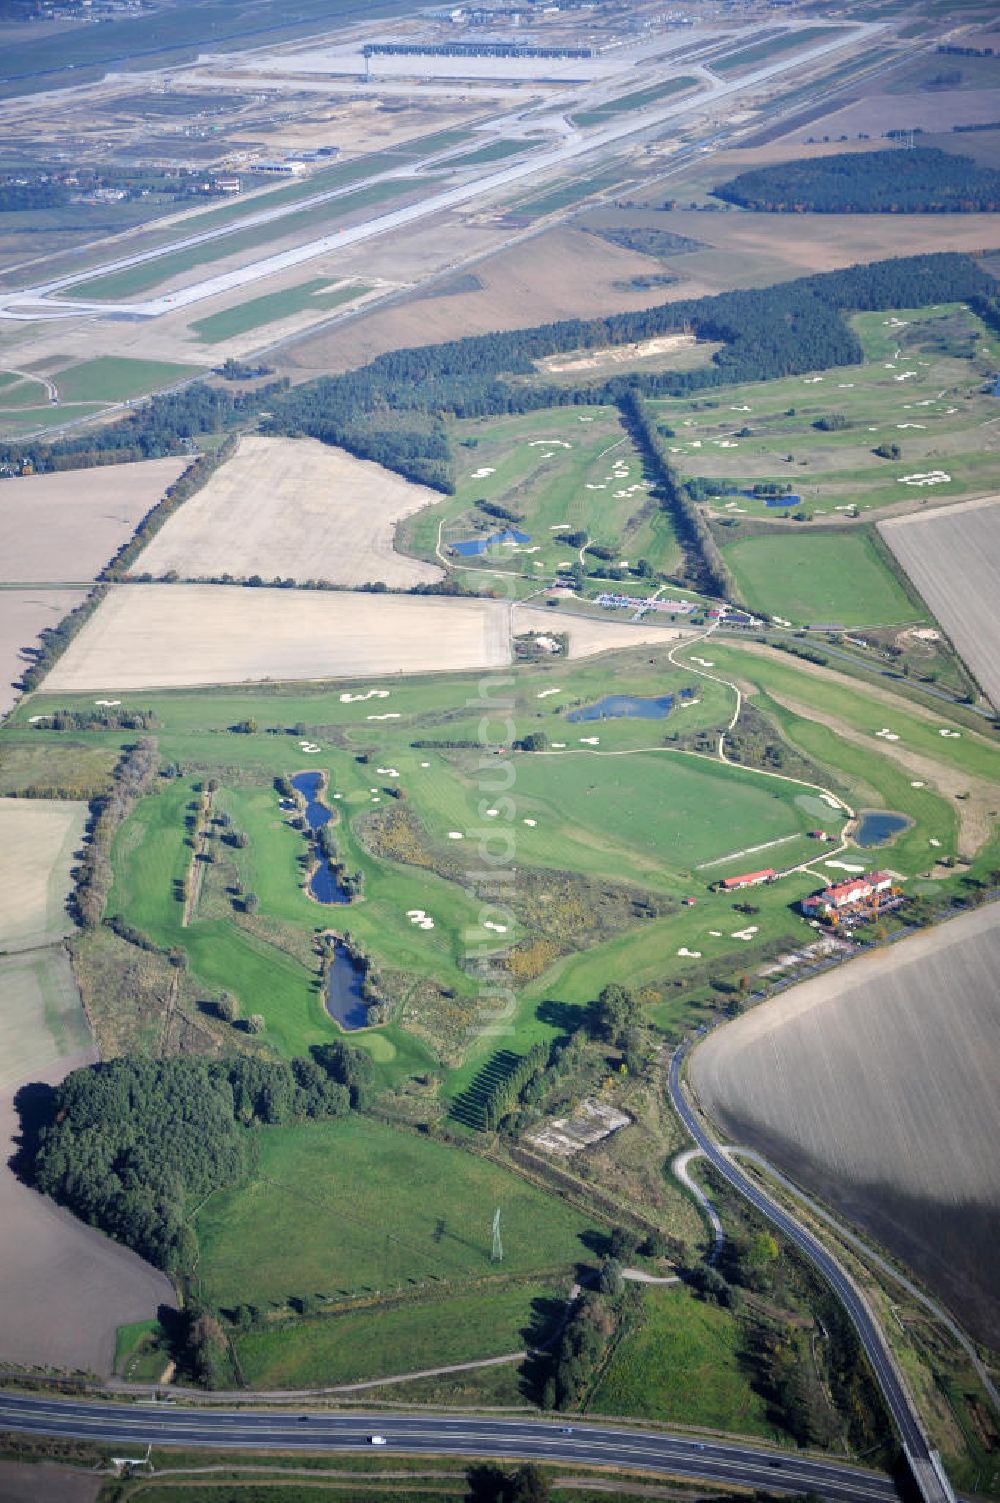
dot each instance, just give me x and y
(706, 568)
(395, 409)
(130, 1145)
(924, 180)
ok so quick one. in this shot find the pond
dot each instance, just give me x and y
(627, 706)
(324, 884)
(475, 546)
(879, 826)
(309, 784)
(344, 999)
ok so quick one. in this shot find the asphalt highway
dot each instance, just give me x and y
(933, 1488)
(430, 1435)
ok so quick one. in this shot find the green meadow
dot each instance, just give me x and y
(814, 578)
(355, 1206)
(257, 312)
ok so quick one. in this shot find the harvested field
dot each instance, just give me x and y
(589, 634)
(875, 1087)
(172, 636)
(66, 1287)
(940, 109)
(298, 508)
(563, 273)
(33, 1482)
(952, 554)
(67, 526)
(23, 615)
(38, 840)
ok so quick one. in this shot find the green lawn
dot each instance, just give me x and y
(408, 1337)
(821, 577)
(682, 1365)
(570, 191)
(762, 52)
(635, 101)
(258, 311)
(147, 275)
(354, 1206)
(112, 378)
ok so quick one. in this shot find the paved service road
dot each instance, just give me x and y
(933, 1485)
(581, 1445)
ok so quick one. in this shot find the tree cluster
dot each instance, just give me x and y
(924, 180)
(131, 1144)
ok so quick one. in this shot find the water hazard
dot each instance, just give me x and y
(626, 706)
(344, 999)
(324, 884)
(878, 826)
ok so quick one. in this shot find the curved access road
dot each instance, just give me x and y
(434, 1435)
(924, 1463)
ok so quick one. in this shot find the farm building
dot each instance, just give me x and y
(844, 896)
(748, 879)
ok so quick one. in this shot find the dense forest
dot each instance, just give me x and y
(923, 180)
(394, 410)
(133, 1145)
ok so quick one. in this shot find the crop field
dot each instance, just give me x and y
(177, 635)
(951, 555)
(820, 577)
(919, 388)
(557, 471)
(38, 840)
(638, 100)
(258, 312)
(870, 1115)
(353, 1206)
(683, 1364)
(67, 526)
(41, 1019)
(66, 1287)
(110, 378)
(24, 614)
(241, 523)
(363, 1344)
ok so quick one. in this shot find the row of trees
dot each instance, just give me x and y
(184, 487)
(133, 777)
(55, 639)
(924, 180)
(130, 1145)
(706, 566)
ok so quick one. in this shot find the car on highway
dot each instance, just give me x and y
(377, 1440)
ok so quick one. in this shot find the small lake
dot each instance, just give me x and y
(324, 884)
(310, 784)
(344, 1000)
(626, 707)
(475, 546)
(879, 826)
